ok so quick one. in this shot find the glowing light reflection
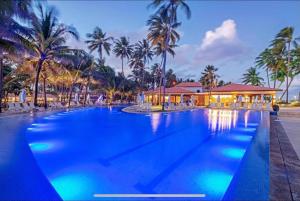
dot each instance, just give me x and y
(155, 120)
(40, 147)
(234, 153)
(244, 138)
(220, 120)
(214, 182)
(246, 117)
(72, 186)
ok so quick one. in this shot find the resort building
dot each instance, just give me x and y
(225, 95)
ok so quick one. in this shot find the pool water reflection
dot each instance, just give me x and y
(103, 150)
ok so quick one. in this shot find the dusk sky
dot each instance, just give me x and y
(228, 35)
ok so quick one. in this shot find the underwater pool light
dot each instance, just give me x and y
(234, 153)
(243, 138)
(40, 146)
(214, 183)
(73, 186)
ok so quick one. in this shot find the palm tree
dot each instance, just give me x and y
(144, 50)
(171, 6)
(79, 63)
(137, 65)
(155, 74)
(294, 67)
(162, 27)
(162, 33)
(267, 61)
(98, 41)
(285, 38)
(47, 41)
(209, 78)
(123, 49)
(11, 31)
(252, 77)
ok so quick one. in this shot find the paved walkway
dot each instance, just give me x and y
(284, 165)
(290, 120)
(291, 126)
(20, 176)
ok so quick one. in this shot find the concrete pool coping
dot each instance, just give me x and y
(284, 165)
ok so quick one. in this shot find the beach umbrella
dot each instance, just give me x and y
(22, 96)
(100, 98)
(181, 98)
(76, 97)
(255, 99)
(88, 98)
(142, 97)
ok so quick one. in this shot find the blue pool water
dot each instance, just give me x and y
(106, 151)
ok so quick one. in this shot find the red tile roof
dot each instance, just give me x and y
(242, 87)
(189, 84)
(172, 90)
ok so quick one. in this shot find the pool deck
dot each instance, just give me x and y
(284, 164)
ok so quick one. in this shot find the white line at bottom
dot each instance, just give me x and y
(149, 195)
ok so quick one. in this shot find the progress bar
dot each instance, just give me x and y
(149, 195)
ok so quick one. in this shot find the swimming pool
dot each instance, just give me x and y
(106, 151)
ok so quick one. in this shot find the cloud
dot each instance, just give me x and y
(220, 45)
(225, 33)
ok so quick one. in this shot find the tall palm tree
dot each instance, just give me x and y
(285, 38)
(209, 78)
(162, 27)
(123, 49)
(143, 48)
(98, 41)
(155, 74)
(47, 40)
(267, 61)
(252, 77)
(171, 6)
(11, 31)
(162, 33)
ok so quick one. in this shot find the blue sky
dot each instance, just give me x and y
(228, 35)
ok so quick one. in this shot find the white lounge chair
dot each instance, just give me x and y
(31, 105)
(11, 107)
(19, 107)
(58, 105)
(268, 107)
(26, 107)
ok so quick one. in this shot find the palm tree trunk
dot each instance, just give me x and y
(86, 90)
(268, 77)
(70, 94)
(287, 73)
(123, 80)
(44, 90)
(164, 78)
(1, 82)
(275, 80)
(286, 91)
(36, 83)
(122, 66)
(101, 55)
